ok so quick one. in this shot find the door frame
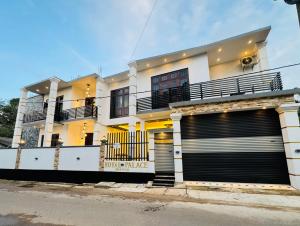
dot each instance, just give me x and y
(155, 131)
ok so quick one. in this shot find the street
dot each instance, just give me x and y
(26, 205)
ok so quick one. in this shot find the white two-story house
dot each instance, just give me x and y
(209, 113)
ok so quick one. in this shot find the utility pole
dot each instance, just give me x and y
(297, 3)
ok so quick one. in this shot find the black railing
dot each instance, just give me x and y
(127, 146)
(34, 117)
(77, 113)
(236, 85)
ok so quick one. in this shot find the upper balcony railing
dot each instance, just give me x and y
(89, 111)
(34, 117)
(69, 114)
(231, 86)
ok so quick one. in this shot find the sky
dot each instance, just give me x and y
(70, 38)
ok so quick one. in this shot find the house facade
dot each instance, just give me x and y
(210, 113)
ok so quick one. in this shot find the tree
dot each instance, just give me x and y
(8, 114)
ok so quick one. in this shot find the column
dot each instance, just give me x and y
(132, 96)
(50, 111)
(176, 117)
(142, 125)
(290, 126)
(100, 129)
(19, 119)
(151, 152)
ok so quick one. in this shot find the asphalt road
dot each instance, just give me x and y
(31, 207)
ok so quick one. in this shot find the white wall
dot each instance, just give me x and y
(77, 158)
(197, 67)
(8, 158)
(228, 69)
(37, 159)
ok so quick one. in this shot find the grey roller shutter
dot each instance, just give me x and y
(234, 147)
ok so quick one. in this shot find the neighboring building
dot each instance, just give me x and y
(210, 114)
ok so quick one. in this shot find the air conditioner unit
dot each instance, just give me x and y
(249, 62)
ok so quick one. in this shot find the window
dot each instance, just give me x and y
(42, 140)
(54, 140)
(169, 88)
(119, 104)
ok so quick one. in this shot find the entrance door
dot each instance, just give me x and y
(89, 139)
(164, 152)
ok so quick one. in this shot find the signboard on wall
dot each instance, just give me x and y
(129, 166)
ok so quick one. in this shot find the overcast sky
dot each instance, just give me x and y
(67, 38)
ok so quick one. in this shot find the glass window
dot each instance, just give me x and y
(119, 102)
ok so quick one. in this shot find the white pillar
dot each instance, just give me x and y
(100, 129)
(176, 117)
(151, 152)
(142, 125)
(132, 96)
(262, 56)
(50, 111)
(19, 119)
(290, 126)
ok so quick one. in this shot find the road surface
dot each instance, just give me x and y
(30, 206)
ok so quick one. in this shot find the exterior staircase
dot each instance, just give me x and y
(164, 180)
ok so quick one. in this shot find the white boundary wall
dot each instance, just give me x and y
(79, 158)
(8, 158)
(37, 159)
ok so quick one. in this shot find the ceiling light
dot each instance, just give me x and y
(264, 107)
(184, 54)
(165, 60)
(37, 90)
(220, 50)
(250, 41)
(47, 87)
(225, 111)
(218, 59)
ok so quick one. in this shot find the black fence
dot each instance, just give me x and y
(77, 113)
(236, 85)
(34, 117)
(127, 146)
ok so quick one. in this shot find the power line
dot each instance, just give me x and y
(147, 91)
(143, 30)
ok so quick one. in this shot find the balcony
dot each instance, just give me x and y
(34, 117)
(77, 113)
(231, 86)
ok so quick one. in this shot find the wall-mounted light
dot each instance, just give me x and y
(250, 41)
(218, 59)
(165, 60)
(220, 50)
(148, 65)
(184, 54)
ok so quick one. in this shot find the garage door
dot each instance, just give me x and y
(234, 147)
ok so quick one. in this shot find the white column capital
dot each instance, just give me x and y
(23, 91)
(288, 108)
(176, 116)
(132, 64)
(54, 80)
